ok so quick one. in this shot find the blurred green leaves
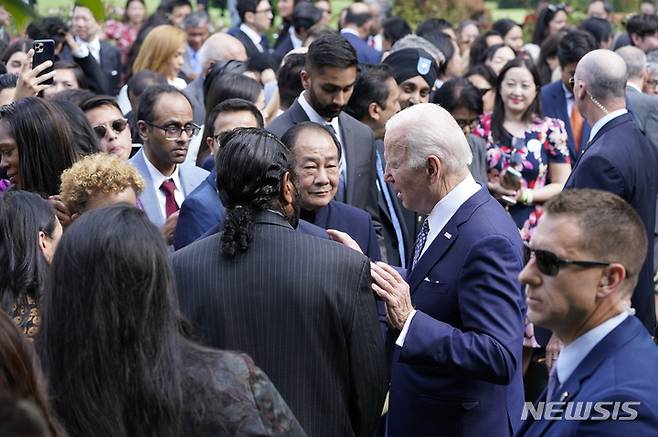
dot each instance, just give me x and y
(22, 13)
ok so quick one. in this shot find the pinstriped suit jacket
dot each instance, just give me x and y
(302, 307)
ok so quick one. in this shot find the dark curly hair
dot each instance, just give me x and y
(251, 170)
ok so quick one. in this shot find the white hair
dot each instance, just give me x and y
(635, 59)
(428, 129)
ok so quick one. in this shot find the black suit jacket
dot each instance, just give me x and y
(96, 80)
(260, 58)
(359, 145)
(620, 160)
(303, 309)
(111, 67)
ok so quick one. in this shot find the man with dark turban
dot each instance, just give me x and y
(415, 72)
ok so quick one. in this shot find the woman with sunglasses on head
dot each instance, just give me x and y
(551, 19)
(527, 155)
(29, 234)
(484, 79)
(114, 352)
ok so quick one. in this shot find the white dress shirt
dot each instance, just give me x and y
(576, 351)
(94, 47)
(158, 178)
(296, 42)
(603, 121)
(254, 36)
(441, 214)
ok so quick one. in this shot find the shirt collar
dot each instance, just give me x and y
(252, 34)
(576, 351)
(568, 94)
(158, 178)
(448, 206)
(351, 31)
(603, 121)
(296, 42)
(312, 113)
(635, 87)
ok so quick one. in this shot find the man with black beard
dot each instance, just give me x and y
(301, 306)
(328, 79)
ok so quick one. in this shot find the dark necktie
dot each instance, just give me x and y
(168, 187)
(420, 242)
(553, 384)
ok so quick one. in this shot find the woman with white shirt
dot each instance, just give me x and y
(162, 51)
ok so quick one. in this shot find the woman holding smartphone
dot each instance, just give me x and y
(527, 155)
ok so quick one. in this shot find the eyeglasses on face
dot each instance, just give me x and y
(549, 263)
(117, 126)
(469, 123)
(174, 131)
(652, 83)
(264, 11)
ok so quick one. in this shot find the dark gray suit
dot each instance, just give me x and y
(359, 145)
(303, 309)
(194, 92)
(645, 112)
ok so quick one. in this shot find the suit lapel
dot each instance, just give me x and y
(149, 198)
(446, 238)
(322, 216)
(349, 140)
(297, 113)
(622, 334)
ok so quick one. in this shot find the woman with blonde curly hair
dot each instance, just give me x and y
(99, 180)
(162, 52)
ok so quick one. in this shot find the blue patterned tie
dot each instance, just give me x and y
(420, 242)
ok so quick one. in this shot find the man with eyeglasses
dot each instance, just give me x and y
(256, 18)
(581, 268)
(166, 127)
(618, 158)
(105, 117)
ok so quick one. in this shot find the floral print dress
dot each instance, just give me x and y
(545, 142)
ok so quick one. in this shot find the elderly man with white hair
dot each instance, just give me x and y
(618, 157)
(458, 312)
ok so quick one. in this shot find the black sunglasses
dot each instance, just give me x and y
(118, 126)
(549, 263)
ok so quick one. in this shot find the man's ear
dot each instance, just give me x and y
(306, 79)
(211, 145)
(636, 39)
(612, 278)
(249, 17)
(142, 127)
(374, 111)
(287, 189)
(433, 166)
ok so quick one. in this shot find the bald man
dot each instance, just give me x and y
(358, 21)
(218, 47)
(618, 158)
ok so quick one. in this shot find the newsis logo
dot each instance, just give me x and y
(580, 410)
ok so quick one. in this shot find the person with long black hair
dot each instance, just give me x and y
(300, 305)
(29, 233)
(113, 350)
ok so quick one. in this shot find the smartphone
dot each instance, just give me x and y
(44, 50)
(511, 179)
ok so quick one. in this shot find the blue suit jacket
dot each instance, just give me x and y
(459, 371)
(353, 221)
(282, 47)
(554, 105)
(620, 160)
(202, 215)
(190, 176)
(201, 210)
(364, 53)
(620, 368)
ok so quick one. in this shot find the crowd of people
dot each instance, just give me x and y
(328, 227)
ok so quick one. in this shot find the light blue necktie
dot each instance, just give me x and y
(381, 185)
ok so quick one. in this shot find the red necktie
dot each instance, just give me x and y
(169, 187)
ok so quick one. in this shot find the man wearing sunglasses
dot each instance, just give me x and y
(110, 126)
(583, 263)
(166, 127)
